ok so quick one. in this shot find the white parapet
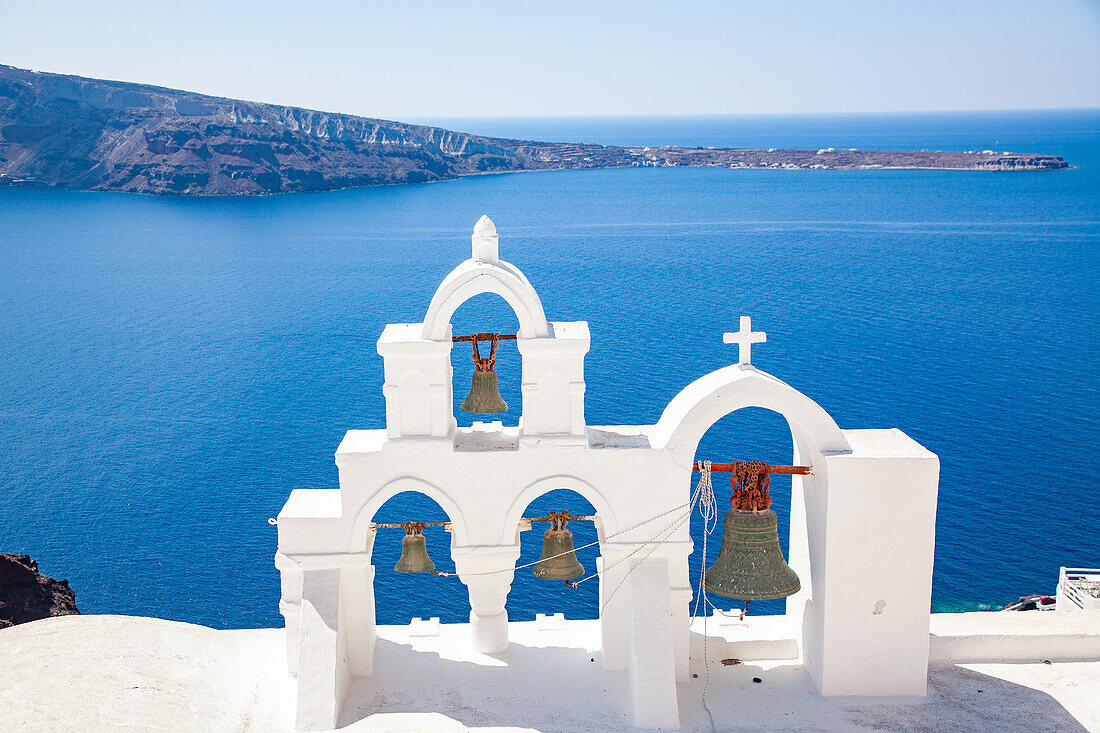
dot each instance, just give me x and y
(1014, 636)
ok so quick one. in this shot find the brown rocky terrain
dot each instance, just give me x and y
(27, 595)
(72, 132)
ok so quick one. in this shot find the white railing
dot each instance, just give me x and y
(1080, 587)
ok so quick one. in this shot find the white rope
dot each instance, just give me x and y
(661, 536)
(716, 609)
(708, 507)
(656, 542)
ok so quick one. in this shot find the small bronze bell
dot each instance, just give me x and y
(484, 397)
(414, 551)
(559, 560)
(750, 564)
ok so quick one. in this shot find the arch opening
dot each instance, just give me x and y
(485, 313)
(400, 597)
(472, 278)
(747, 434)
(548, 596)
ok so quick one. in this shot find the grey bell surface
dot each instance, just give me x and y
(750, 564)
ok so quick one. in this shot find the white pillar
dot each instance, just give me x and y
(553, 385)
(487, 573)
(418, 383)
(357, 600)
(615, 600)
(614, 605)
(866, 628)
(652, 670)
(290, 606)
(322, 666)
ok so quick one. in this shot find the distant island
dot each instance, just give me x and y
(77, 133)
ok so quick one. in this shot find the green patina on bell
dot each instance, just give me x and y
(559, 560)
(484, 397)
(750, 564)
(414, 553)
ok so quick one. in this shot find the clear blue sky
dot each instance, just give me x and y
(405, 60)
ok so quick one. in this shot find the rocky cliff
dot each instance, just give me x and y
(73, 132)
(27, 595)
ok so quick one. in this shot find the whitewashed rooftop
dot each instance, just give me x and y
(116, 672)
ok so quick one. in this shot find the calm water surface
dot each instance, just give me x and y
(173, 367)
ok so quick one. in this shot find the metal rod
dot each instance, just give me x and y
(401, 525)
(485, 337)
(731, 467)
(571, 518)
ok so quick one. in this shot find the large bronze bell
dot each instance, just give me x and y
(750, 564)
(414, 551)
(484, 397)
(559, 560)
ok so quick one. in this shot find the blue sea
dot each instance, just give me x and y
(173, 367)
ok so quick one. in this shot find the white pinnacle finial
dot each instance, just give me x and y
(486, 247)
(744, 339)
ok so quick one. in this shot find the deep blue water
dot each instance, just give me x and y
(173, 367)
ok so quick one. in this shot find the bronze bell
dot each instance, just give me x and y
(559, 560)
(750, 564)
(484, 397)
(414, 551)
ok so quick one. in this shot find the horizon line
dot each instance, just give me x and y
(992, 110)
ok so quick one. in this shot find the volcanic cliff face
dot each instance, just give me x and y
(72, 132)
(27, 595)
(83, 133)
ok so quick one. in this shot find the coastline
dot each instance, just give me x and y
(8, 182)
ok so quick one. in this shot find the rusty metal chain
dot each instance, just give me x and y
(750, 481)
(485, 365)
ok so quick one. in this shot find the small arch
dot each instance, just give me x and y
(486, 312)
(361, 526)
(472, 278)
(528, 594)
(399, 597)
(607, 523)
(706, 400)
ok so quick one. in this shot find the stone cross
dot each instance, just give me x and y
(744, 339)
